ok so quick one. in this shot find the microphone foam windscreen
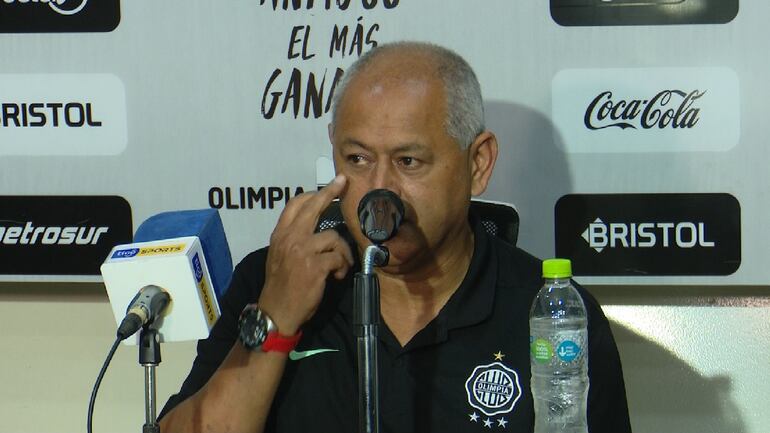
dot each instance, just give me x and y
(207, 226)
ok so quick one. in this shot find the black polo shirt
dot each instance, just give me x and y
(466, 371)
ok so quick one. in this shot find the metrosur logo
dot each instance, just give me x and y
(61, 235)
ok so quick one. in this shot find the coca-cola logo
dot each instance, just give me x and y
(649, 110)
(675, 109)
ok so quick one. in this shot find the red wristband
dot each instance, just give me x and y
(275, 342)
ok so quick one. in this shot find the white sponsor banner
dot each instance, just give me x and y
(62, 114)
(647, 109)
(229, 106)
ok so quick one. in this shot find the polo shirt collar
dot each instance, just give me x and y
(471, 303)
(474, 299)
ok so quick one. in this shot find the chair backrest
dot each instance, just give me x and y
(499, 219)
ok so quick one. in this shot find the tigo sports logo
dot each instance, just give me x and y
(42, 16)
(206, 294)
(161, 249)
(197, 268)
(154, 250)
(649, 234)
(647, 110)
(125, 253)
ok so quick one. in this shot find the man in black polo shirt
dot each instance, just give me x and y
(407, 117)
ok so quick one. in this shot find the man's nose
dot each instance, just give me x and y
(384, 176)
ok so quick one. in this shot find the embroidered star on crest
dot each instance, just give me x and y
(474, 417)
(498, 356)
(488, 423)
(502, 422)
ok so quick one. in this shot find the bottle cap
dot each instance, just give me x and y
(557, 268)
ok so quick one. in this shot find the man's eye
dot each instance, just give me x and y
(408, 161)
(356, 158)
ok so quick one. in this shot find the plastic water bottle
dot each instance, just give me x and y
(559, 352)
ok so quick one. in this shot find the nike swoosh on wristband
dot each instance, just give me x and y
(296, 356)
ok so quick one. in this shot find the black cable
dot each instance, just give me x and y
(99, 381)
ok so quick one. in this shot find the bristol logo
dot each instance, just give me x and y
(493, 389)
(684, 235)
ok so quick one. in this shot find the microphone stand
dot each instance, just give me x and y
(149, 358)
(366, 317)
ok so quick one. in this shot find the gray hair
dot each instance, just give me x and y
(464, 106)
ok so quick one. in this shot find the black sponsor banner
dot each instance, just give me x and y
(54, 16)
(649, 234)
(642, 12)
(60, 235)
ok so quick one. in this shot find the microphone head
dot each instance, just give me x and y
(172, 250)
(151, 298)
(207, 226)
(380, 213)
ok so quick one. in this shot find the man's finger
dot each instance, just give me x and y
(334, 263)
(313, 208)
(306, 208)
(292, 209)
(330, 240)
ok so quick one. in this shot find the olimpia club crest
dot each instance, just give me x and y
(493, 389)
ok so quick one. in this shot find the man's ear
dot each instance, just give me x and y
(482, 155)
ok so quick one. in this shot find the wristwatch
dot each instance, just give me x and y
(258, 332)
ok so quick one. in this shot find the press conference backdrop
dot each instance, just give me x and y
(632, 133)
(632, 138)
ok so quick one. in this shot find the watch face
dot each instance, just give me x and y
(253, 328)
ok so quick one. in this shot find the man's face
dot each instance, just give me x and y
(390, 134)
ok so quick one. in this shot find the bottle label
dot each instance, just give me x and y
(561, 349)
(542, 350)
(568, 350)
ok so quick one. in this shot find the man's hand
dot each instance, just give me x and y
(300, 260)
(239, 394)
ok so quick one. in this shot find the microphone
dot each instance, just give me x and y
(172, 276)
(380, 213)
(146, 306)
